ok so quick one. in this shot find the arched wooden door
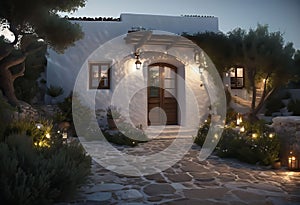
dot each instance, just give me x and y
(162, 90)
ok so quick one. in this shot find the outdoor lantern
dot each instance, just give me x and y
(293, 162)
(39, 125)
(138, 63)
(242, 129)
(239, 119)
(254, 135)
(64, 135)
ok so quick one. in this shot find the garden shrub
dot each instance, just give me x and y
(202, 133)
(126, 135)
(263, 149)
(231, 116)
(66, 108)
(37, 130)
(34, 174)
(229, 143)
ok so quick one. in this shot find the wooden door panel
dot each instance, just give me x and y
(164, 97)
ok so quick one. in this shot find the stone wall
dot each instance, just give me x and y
(26, 111)
(288, 129)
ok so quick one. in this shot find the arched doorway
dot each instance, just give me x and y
(162, 93)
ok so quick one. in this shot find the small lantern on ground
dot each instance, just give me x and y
(293, 162)
(239, 119)
(242, 129)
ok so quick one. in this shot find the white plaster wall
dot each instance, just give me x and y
(128, 85)
(62, 69)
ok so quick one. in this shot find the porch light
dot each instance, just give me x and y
(138, 63)
(293, 162)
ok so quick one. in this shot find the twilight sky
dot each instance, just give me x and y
(280, 15)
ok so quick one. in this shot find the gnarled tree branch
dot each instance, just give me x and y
(20, 73)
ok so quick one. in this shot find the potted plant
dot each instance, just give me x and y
(112, 114)
(276, 164)
(53, 92)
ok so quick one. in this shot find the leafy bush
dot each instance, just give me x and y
(231, 117)
(38, 131)
(54, 91)
(202, 133)
(32, 175)
(230, 142)
(294, 106)
(127, 135)
(26, 87)
(263, 148)
(66, 108)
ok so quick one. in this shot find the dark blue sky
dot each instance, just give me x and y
(280, 15)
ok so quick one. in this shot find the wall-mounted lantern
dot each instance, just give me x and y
(138, 63)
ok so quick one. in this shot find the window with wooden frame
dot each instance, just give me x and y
(99, 77)
(237, 78)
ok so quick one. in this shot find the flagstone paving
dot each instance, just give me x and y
(190, 181)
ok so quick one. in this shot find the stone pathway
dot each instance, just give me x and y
(214, 181)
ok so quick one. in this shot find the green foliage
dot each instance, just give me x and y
(26, 88)
(202, 133)
(126, 135)
(31, 174)
(217, 46)
(36, 130)
(231, 116)
(262, 149)
(41, 17)
(66, 108)
(263, 54)
(229, 144)
(54, 91)
(273, 104)
(294, 106)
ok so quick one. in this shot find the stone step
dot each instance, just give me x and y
(169, 132)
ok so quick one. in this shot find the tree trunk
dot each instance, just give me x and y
(7, 86)
(262, 101)
(253, 103)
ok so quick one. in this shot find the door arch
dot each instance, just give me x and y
(162, 93)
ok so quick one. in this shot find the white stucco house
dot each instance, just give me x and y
(171, 87)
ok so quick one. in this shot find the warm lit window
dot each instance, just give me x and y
(99, 75)
(237, 77)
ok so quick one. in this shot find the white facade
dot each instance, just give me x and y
(109, 42)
